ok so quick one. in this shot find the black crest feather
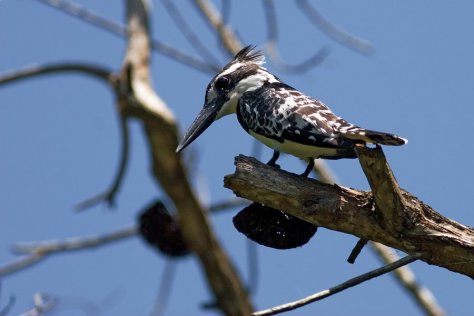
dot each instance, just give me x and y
(249, 54)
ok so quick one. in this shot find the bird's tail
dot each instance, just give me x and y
(374, 137)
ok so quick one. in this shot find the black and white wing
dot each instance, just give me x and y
(282, 113)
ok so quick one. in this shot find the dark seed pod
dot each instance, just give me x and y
(162, 231)
(273, 228)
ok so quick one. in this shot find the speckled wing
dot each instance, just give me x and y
(280, 112)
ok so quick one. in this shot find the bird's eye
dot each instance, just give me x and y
(222, 83)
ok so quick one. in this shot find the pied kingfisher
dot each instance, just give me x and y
(278, 115)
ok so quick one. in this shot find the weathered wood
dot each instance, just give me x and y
(168, 168)
(391, 216)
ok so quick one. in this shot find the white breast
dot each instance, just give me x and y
(295, 149)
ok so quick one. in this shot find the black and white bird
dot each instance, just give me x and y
(279, 115)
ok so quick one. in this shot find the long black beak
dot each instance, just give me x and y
(200, 124)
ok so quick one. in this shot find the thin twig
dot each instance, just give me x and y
(38, 70)
(226, 204)
(11, 301)
(109, 195)
(164, 292)
(188, 32)
(338, 288)
(405, 277)
(226, 35)
(37, 251)
(43, 304)
(342, 37)
(357, 249)
(118, 29)
(272, 50)
(253, 267)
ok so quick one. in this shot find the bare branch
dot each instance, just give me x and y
(441, 241)
(325, 174)
(167, 276)
(91, 18)
(162, 136)
(226, 34)
(357, 249)
(188, 32)
(53, 68)
(340, 287)
(74, 243)
(109, 195)
(37, 251)
(272, 50)
(342, 37)
(11, 301)
(423, 297)
(404, 275)
(230, 203)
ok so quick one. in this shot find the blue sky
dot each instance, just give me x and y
(59, 144)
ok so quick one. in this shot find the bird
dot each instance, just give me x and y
(278, 115)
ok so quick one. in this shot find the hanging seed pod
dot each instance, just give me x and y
(161, 230)
(273, 228)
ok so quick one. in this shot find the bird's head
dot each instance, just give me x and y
(242, 74)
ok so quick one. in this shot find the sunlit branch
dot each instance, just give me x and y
(226, 34)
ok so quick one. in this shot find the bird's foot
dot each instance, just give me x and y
(272, 162)
(309, 168)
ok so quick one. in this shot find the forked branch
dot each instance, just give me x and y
(409, 225)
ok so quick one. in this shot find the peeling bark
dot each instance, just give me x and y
(389, 215)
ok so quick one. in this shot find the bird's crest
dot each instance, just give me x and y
(248, 54)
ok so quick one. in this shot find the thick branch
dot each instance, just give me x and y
(169, 171)
(440, 240)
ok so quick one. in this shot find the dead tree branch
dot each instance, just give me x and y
(162, 136)
(415, 227)
(338, 288)
(404, 275)
(110, 193)
(357, 44)
(96, 71)
(37, 251)
(185, 29)
(272, 49)
(226, 34)
(87, 16)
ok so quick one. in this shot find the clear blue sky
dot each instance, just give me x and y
(59, 144)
